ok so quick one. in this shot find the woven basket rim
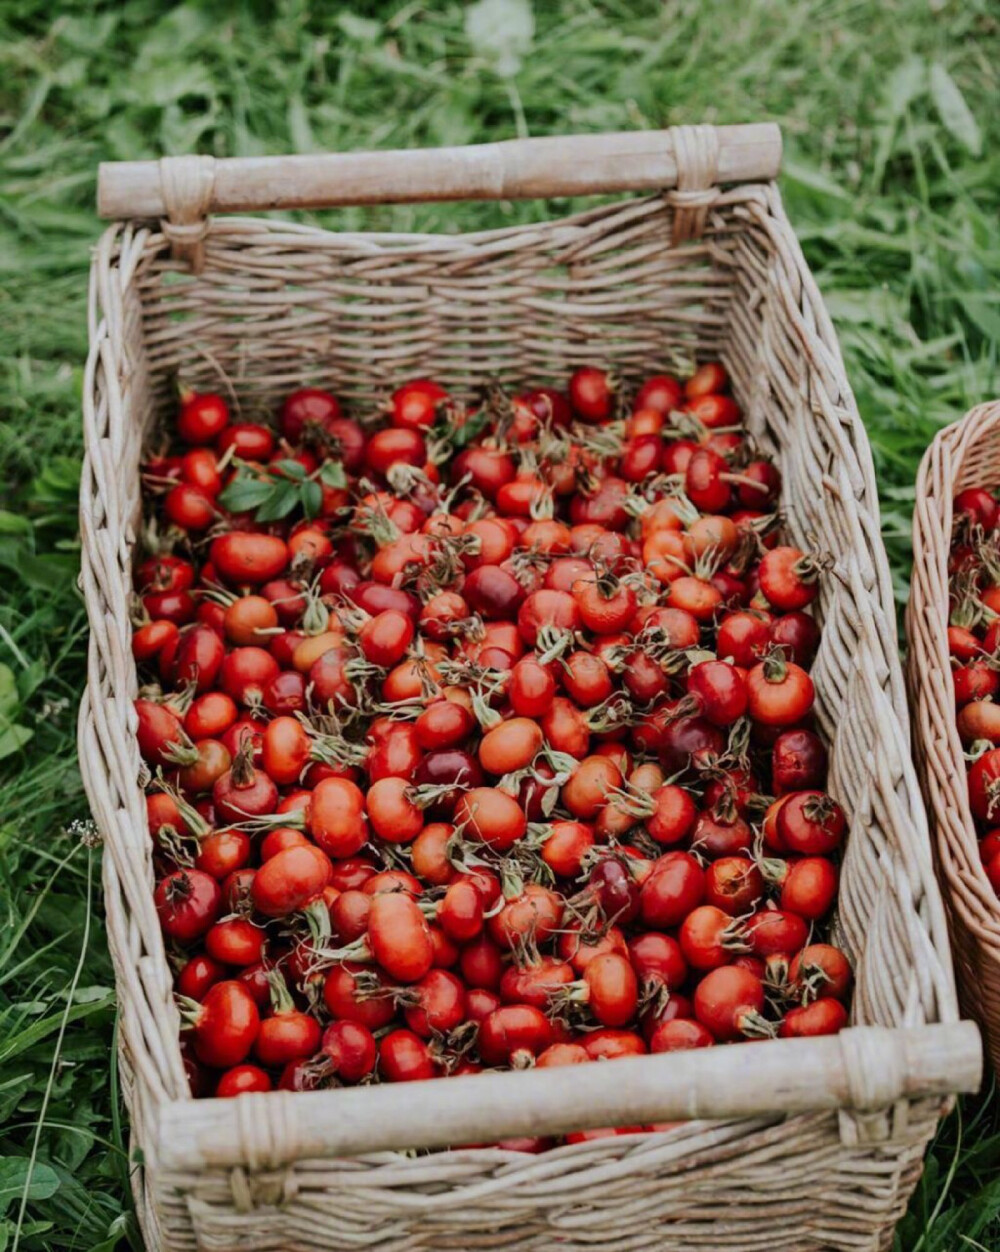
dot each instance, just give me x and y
(580, 213)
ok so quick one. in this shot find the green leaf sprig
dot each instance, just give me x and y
(278, 491)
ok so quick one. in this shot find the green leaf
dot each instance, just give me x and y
(363, 29)
(30, 679)
(28, 1229)
(906, 82)
(13, 738)
(815, 180)
(11, 1091)
(955, 114)
(170, 82)
(86, 34)
(10, 698)
(244, 494)
(987, 319)
(26, 1038)
(41, 571)
(88, 995)
(16, 1175)
(58, 482)
(332, 474)
(312, 498)
(182, 131)
(299, 126)
(172, 35)
(872, 306)
(291, 469)
(281, 501)
(13, 524)
(118, 1230)
(473, 427)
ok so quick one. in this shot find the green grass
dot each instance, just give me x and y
(892, 179)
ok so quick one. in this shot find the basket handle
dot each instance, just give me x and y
(691, 159)
(861, 1069)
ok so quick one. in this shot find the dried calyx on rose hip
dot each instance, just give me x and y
(480, 733)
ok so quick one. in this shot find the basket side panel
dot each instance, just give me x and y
(783, 353)
(117, 407)
(278, 306)
(966, 454)
(782, 1187)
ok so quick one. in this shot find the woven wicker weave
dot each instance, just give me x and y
(966, 454)
(795, 1144)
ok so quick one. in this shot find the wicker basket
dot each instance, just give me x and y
(790, 1144)
(963, 455)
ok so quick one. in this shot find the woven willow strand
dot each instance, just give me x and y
(276, 306)
(965, 454)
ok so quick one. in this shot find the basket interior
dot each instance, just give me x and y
(279, 306)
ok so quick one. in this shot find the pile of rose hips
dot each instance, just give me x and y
(481, 736)
(974, 645)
